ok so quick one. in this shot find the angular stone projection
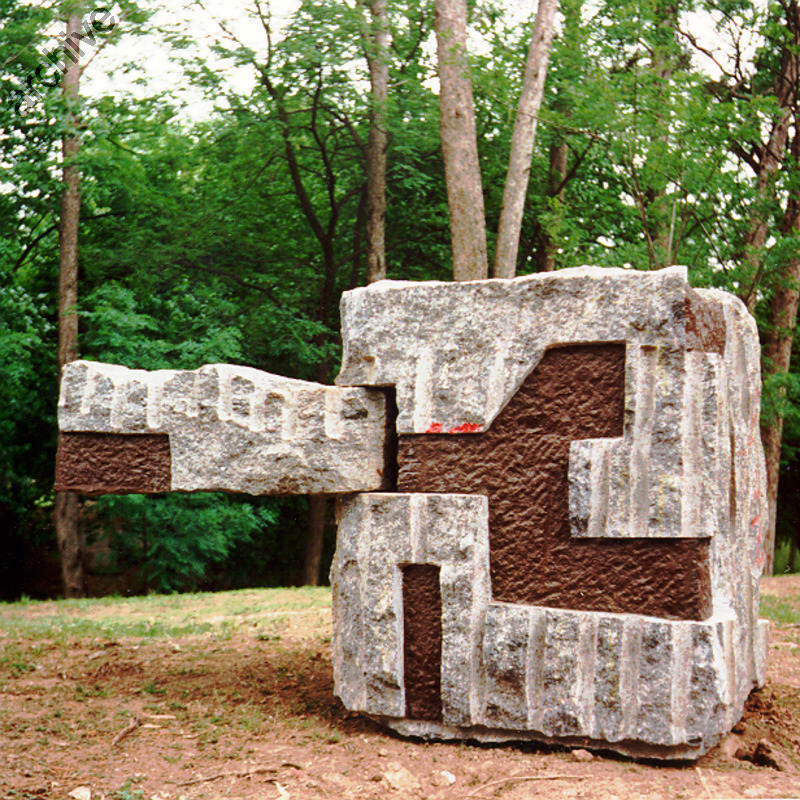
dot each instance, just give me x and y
(579, 461)
(553, 498)
(222, 428)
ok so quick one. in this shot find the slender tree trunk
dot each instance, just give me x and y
(317, 507)
(664, 65)
(777, 355)
(556, 190)
(67, 507)
(522, 141)
(771, 154)
(776, 359)
(459, 144)
(377, 49)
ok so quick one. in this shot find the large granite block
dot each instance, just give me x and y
(624, 556)
(573, 550)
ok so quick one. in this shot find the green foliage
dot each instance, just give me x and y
(128, 791)
(27, 397)
(199, 243)
(180, 330)
(174, 540)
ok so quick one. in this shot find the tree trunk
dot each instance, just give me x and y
(459, 144)
(377, 49)
(317, 506)
(771, 154)
(522, 141)
(67, 507)
(556, 190)
(776, 359)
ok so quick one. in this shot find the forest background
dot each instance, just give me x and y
(229, 236)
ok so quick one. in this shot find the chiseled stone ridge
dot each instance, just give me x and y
(641, 685)
(457, 352)
(234, 428)
(666, 475)
(737, 549)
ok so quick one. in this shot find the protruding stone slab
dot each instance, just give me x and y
(229, 428)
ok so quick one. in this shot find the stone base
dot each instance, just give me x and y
(435, 731)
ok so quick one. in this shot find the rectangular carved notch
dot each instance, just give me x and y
(422, 610)
(113, 463)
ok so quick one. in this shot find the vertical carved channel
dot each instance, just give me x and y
(422, 641)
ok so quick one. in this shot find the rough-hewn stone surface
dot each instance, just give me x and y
(737, 551)
(455, 371)
(422, 641)
(379, 534)
(639, 684)
(234, 428)
(457, 352)
(637, 458)
(682, 472)
(521, 464)
(103, 463)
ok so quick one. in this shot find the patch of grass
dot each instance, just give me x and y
(785, 610)
(17, 662)
(128, 792)
(88, 692)
(16, 668)
(164, 616)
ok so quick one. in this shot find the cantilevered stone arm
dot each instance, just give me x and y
(220, 427)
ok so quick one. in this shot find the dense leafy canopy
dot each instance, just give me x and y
(231, 239)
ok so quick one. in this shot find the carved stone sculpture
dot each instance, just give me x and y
(552, 498)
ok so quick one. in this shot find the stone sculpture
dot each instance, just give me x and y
(552, 499)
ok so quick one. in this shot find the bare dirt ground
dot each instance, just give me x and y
(247, 711)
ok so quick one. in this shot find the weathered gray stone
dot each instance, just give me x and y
(234, 428)
(379, 533)
(644, 686)
(454, 372)
(453, 368)
(688, 465)
(507, 649)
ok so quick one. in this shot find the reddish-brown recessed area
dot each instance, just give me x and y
(422, 645)
(521, 463)
(112, 463)
(705, 324)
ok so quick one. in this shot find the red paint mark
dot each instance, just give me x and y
(436, 427)
(756, 519)
(467, 427)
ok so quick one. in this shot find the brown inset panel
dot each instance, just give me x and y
(521, 463)
(705, 324)
(113, 463)
(422, 642)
